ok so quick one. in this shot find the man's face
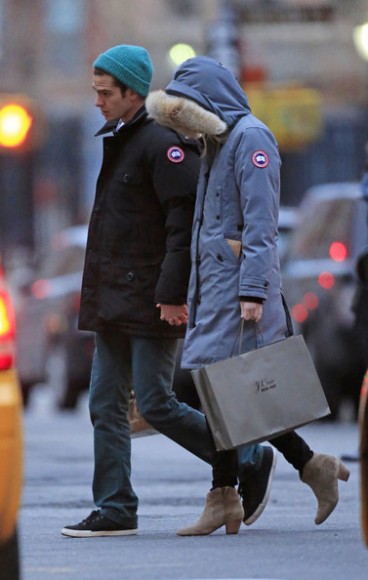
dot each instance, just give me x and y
(110, 100)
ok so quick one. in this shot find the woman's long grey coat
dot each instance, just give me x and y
(237, 201)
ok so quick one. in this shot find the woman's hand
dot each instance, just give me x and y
(251, 310)
(174, 315)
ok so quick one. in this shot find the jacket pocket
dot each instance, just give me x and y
(129, 191)
(127, 295)
(236, 246)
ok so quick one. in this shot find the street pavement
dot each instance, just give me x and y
(283, 544)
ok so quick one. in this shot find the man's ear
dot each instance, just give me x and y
(133, 96)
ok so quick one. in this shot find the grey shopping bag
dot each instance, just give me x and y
(258, 395)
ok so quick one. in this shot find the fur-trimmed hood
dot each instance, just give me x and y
(183, 115)
(203, 97)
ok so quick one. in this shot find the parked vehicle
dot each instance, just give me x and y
(47, 312)
(319, 278)
(288, 221)
(11, 444)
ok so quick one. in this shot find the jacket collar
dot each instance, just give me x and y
(110, 126)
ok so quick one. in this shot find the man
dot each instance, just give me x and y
(134, 294)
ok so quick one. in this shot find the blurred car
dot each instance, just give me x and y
(319, 282)
(30, 338)
(10, 439)
(47, 313)
(288, 221)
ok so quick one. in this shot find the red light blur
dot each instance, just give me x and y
(299, 312)
(326, 280)
(7, 331)
(7, 319)
(6, 361)
(40, 289)
(310, 300)
(338, 251)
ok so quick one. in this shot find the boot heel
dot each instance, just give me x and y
(233, 527)
(343, 472)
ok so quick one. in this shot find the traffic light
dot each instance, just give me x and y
(21, 134)
(16, 122)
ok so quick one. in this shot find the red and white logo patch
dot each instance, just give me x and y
(260, 159)
(175, 154)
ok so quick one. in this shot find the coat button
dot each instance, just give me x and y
(219, 257)
(125, 178)
(130, 276)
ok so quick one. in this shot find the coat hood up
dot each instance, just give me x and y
(203, 97)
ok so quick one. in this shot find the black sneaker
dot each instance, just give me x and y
(97, 525)
(255, 490)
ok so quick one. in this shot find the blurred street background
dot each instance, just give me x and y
(304, 67)
(297, 59)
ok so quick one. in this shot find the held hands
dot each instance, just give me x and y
(174, 315)
(251, 310)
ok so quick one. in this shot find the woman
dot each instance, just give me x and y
(235, 265)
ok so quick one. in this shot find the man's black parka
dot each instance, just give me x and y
(138, 249)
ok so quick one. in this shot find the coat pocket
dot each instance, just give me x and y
(235, 245)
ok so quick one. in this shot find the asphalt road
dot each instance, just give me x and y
(283, 544)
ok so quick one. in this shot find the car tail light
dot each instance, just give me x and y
(40, 289)
(338, 251)
(310, 300)
(300, 313)
(326, 280)
(7, 331)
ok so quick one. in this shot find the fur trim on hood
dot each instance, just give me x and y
(183, 115)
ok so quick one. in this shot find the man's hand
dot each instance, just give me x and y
(174, 315)
(251, 310)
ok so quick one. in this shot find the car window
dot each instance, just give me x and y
(323, 223)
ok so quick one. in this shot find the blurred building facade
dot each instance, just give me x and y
(47, 48)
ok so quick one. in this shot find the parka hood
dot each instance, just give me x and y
(211, 85)
(203, 97)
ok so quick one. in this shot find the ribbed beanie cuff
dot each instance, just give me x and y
(131, 65)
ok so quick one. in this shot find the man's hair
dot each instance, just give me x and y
(100, 73)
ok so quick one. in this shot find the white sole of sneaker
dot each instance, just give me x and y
(264, 501)
(89, 534)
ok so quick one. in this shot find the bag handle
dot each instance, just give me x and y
(258, 328)
(239, 336)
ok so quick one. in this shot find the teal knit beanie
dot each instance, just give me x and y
(131, 65)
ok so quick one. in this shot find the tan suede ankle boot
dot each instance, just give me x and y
(234, 512)
(223, 507)
(321, 473)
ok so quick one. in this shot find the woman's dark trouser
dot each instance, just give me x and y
(295, 450)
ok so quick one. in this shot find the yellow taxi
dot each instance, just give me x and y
(11, 444)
